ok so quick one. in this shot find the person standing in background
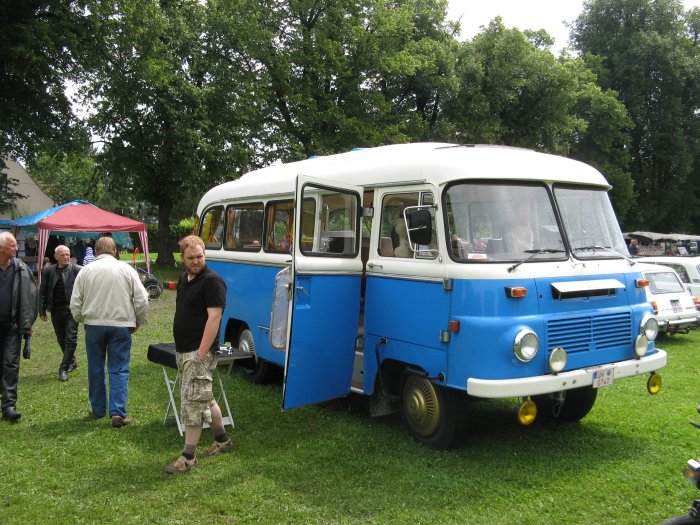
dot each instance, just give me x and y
(89, 256)
(54, 295)
(634, 247)
(18, 311)
(110, 300)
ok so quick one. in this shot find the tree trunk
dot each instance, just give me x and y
(165, 249)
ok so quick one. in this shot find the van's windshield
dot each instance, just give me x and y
(516, 221)
(590, 223)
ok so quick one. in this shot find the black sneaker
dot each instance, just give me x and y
(11, 414)
(72, 366)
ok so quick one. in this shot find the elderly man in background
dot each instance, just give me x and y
(18, 310)
(110, 300)
(54, 295)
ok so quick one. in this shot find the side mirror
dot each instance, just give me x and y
(420, 227)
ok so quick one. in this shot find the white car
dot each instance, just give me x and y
(687, 268)
(675, 308)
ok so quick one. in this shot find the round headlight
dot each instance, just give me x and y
(557, 360)
(526, 345)
(641, 345)
(649, 327)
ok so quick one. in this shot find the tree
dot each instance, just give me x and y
(41, 43)
(168, 130)
(331, 75)
(604, 140)
(513, 91)
(524, 97)
(647, 51)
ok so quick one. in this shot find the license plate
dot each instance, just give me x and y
(603, 376)
(677, 308)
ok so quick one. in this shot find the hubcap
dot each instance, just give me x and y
(246, 345)
(421, 405)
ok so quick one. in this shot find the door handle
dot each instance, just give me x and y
(302, 289)
(372, 265)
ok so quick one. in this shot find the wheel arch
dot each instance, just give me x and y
(233, 329)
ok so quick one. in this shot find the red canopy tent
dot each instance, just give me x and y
(80, 216)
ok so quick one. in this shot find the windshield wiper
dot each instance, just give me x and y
(595, 247)
(534, 253)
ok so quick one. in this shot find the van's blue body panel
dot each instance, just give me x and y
(249, 289)
(326, 315)
(594, 330)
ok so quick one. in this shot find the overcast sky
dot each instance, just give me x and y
(523, 14)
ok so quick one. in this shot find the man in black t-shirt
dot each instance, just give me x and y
(199, 307)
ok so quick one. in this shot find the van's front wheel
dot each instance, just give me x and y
(255, 370)
(430, 412)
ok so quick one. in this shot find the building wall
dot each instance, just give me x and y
(36, 199)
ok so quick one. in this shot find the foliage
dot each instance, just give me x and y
(514, 93)
(603, 139)
(332, 463)
(41, 48)
(647, 51)
(7, 194)
(177, 232)
(185, 94)
(156, 107)
(329, 76)
(67, 174)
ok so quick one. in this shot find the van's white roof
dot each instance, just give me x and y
(438, 163)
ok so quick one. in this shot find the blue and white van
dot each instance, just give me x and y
(423, 274)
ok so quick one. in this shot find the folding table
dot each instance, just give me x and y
(164, 355)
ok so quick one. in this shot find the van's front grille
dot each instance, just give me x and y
(594, 332)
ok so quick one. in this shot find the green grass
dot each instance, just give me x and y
(332, 463)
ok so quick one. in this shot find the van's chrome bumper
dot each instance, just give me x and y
(530, 386)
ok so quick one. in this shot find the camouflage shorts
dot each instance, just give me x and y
(196, 395)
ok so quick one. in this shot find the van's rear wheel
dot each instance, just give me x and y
(573, 405)
(430, 412)
(255, 370)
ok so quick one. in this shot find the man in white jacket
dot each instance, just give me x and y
(110, 300)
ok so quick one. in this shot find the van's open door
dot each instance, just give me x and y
(327, 274)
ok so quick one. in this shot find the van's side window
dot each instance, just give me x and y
(393, 240)
(279, 227)
(244, 227)
(329, 222)
(212, 227)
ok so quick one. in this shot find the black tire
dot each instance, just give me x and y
(574, 406)
(154, 289)
(255, 370)
(682, 520)
(430, 413)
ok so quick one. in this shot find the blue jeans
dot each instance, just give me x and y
(114, 344)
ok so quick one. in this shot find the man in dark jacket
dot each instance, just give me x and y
(18, 311)
(54, 295)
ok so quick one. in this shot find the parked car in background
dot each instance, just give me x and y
(687, 268)
(690, 246)
(676, 310)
